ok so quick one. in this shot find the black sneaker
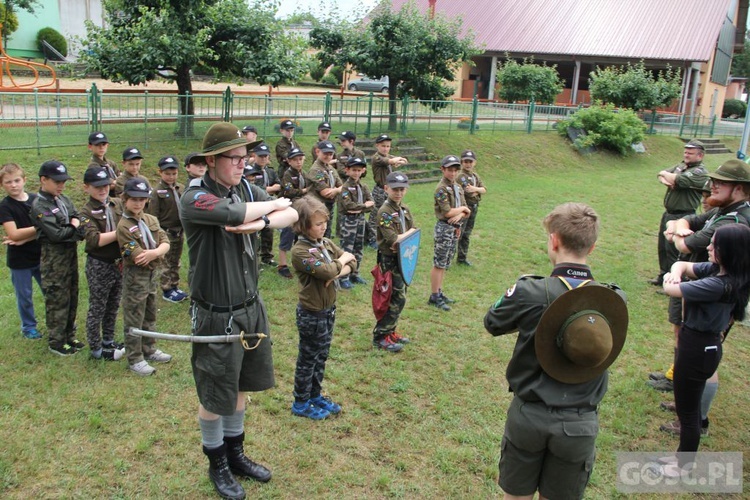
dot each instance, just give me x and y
(665, 385)
(285, 272)
(439, 302)
(446, 299)
(76, 344)
(112, 345)
(657, 376)
(270, 262)
(63, 350)
(465, 263)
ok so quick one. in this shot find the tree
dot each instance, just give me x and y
(418, 54)
(635, 87)
(8, 17)
(741, 62)
(528, 81)
(220, 36)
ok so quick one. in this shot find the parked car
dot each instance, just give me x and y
(367, 84)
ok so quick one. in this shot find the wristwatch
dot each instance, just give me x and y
(264, 218)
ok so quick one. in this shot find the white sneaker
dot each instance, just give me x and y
(142, 368)
(159, 357)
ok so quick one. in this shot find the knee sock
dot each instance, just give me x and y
(212, 434)
(709, 393)
(234, 425)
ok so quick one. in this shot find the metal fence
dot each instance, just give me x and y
(37, 120)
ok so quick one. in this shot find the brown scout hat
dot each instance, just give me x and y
(581, 334)
(732, 171)
(222, 137)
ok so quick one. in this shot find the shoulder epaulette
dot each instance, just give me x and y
(531, 277)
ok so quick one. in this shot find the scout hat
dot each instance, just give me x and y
(286, 124)
(348, 136)
(137, 187)
(168, 162)
(131, 154)
(261, 150)
(55, 170)
(326, 147)
(96, 176)
(249, 128)
(450, 161)
(397, 180)
(695, 144)
(222, 137)
(355, 162)
(581, 334)
(325, 126)
(195, 158)
(382, 138)
(468, 155)
(97, 138)
(732, 171)
(294, 152)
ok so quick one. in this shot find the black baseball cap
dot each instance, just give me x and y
(450, 161)
(348, 136)
(195, 158)
(97, 138)
(286, 124)
(294, 152)
(397, 180)
(324, 126)
(131, 154)
(249, 128)
(168, 162)
(96, 176)
(137, 187)
(356, 162)
(468, 155)
(382, 138)
(55, 170)
(261, 150)
(326, 147)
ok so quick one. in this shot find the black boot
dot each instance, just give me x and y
(240, 464)
(221, 477)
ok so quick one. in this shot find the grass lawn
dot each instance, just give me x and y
(423, 423)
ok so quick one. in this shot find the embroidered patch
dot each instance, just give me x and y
(345, 194)
(162, 191)
(55, 210)
(97, 212)
(206, 201)
(386, 219)
(510, 291)
(133, 229)
(441, 195)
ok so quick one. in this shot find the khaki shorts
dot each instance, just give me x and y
(548, 450)
(221, 371)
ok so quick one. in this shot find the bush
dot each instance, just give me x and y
(338, 74)
(734, 107)
(329, 79)
(605, 127)
(9, 20)
(316, 71)
(54, 38)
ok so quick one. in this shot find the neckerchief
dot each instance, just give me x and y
(110, 217)
(456, 196)
(63, 209)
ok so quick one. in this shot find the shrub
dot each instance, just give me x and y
(528, 81)
(338, 74)
(316, 71)
(9, 20)
(734, 107)
(329, 79)
(605, 126)
(54, 38)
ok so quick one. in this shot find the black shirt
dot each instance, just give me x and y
(27, 255)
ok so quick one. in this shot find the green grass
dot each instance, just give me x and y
(424, 423)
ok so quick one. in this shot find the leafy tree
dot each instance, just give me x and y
(220, 36)
(302, 18)
(605, 127)
(8, 17)
(741, 62)
(418, 54)
(528, 81)
(635, 87)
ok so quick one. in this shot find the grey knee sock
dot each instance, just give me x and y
(709, 393)
(234, 425)
(212, 434)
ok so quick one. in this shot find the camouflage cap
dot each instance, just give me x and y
(695, 144)
(732, 171)
(222, 137)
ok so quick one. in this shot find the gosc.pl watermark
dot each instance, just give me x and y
(670, 472)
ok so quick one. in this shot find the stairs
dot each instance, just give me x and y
(422, 167)
(713, 146)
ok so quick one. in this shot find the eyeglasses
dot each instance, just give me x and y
(235, 160)
(718, 184)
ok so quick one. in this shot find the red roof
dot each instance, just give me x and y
(680, 30)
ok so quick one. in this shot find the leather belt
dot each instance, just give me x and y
(223, 309)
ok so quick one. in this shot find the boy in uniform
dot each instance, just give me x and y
(382, 163)
(195, 166)
(164, 205)
(324, 133)
(354, 202)
(326, 181)
(98, 145)
(24, 251)
(450, 210)
(473, 190)
(570, 330)
(131, 164)
(251, 134)
(59, 229)
(294, 185)
(142, 244)
(103, 273)
(285, 144)
(262, 175)
(395, 223)
(346, 140)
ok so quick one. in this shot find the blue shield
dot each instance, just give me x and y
(408, 252)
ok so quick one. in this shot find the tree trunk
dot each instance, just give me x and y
(393, 108)
(186, 106)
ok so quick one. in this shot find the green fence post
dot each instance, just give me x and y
(713, 126)
(145, 117)
(653, 120)
(532, 106)
(474, 110)
(327, 108)
(36, 120)
(404, 114)
(682, 124)
(227, 104)
(94, 107)
(369, 116)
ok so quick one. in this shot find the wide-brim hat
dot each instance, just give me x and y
(732, 171)
(581, 334)
(223, 137)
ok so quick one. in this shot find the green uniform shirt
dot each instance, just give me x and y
(165, 206)
(221, 272)
(344, 157)
(686, 194)
(290, 184)
(389, 225)
(323, 177)
(705, 225)
(380, 168)
(520, 310)
(282, 149)
(50, 222)
(445, 198)
(130, 238)
(314, 271)
(95, 223)
(470, 179)
(349, 198)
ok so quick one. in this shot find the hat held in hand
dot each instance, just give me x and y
(581, 334)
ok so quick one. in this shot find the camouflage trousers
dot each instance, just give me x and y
(170, 277)
(59, 266)
(353, 236)
(105, 291)
(266, 244)
(378, 197)
(315, 335)
(446, 238)
(466, 229)
(388, 322)
(139, 310)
